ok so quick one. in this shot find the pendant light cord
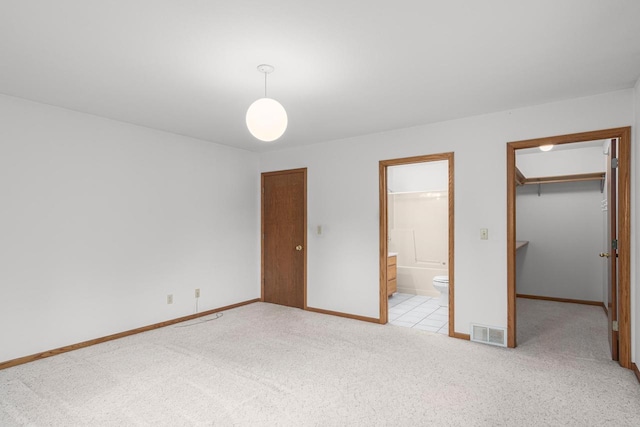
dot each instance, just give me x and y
(265, 85)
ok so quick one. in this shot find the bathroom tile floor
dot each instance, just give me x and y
(417, 311)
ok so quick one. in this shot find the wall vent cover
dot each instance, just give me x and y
(488, 335)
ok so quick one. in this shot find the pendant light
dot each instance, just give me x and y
(266, 117)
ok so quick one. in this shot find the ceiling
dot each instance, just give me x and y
(342, 68)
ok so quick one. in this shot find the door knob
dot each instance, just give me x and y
(299, 248)
(604, 255)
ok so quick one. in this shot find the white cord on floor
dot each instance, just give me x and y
(218, 315)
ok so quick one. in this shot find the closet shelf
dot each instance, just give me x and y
(596, 176)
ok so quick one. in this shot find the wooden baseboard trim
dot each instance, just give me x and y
(461, 336)
(573, 301)
(635, 370)
(45, 354)
(340, 314)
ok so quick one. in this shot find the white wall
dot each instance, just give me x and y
(564, 228)
(343, 197)
(100, 220)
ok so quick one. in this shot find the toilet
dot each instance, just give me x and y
(441, 283)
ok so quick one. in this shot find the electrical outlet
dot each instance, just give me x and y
(197, 292)
(484, 234)
(170, 299)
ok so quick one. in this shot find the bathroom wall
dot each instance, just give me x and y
(429, 176)
(418, 232)
(418, 224)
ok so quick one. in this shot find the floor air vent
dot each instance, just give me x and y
(488, 335)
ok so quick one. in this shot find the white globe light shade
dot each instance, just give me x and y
(266, 119)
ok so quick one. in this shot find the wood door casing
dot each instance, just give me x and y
(623, 135)
(384, 232)
(284, 237)
(612, 234)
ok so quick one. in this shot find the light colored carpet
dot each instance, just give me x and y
(264, 364)
(556, 329)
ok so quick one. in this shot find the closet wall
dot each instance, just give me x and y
(561, 259)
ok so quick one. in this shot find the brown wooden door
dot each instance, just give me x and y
(612, 242)
(284, 237)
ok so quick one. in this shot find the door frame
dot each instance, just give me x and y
(624, 228)
(384, 230)
(304, 237)
(612, 259)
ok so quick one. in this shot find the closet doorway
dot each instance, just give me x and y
(617, 195)
(416, 194)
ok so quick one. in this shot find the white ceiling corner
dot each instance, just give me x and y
(341, 68)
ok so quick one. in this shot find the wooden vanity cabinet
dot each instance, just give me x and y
(392, 274)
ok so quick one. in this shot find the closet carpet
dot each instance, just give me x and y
(265, 364)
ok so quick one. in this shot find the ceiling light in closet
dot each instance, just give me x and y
(546, 147)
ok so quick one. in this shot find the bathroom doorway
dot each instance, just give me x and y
(416, 242)
(594, 189)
